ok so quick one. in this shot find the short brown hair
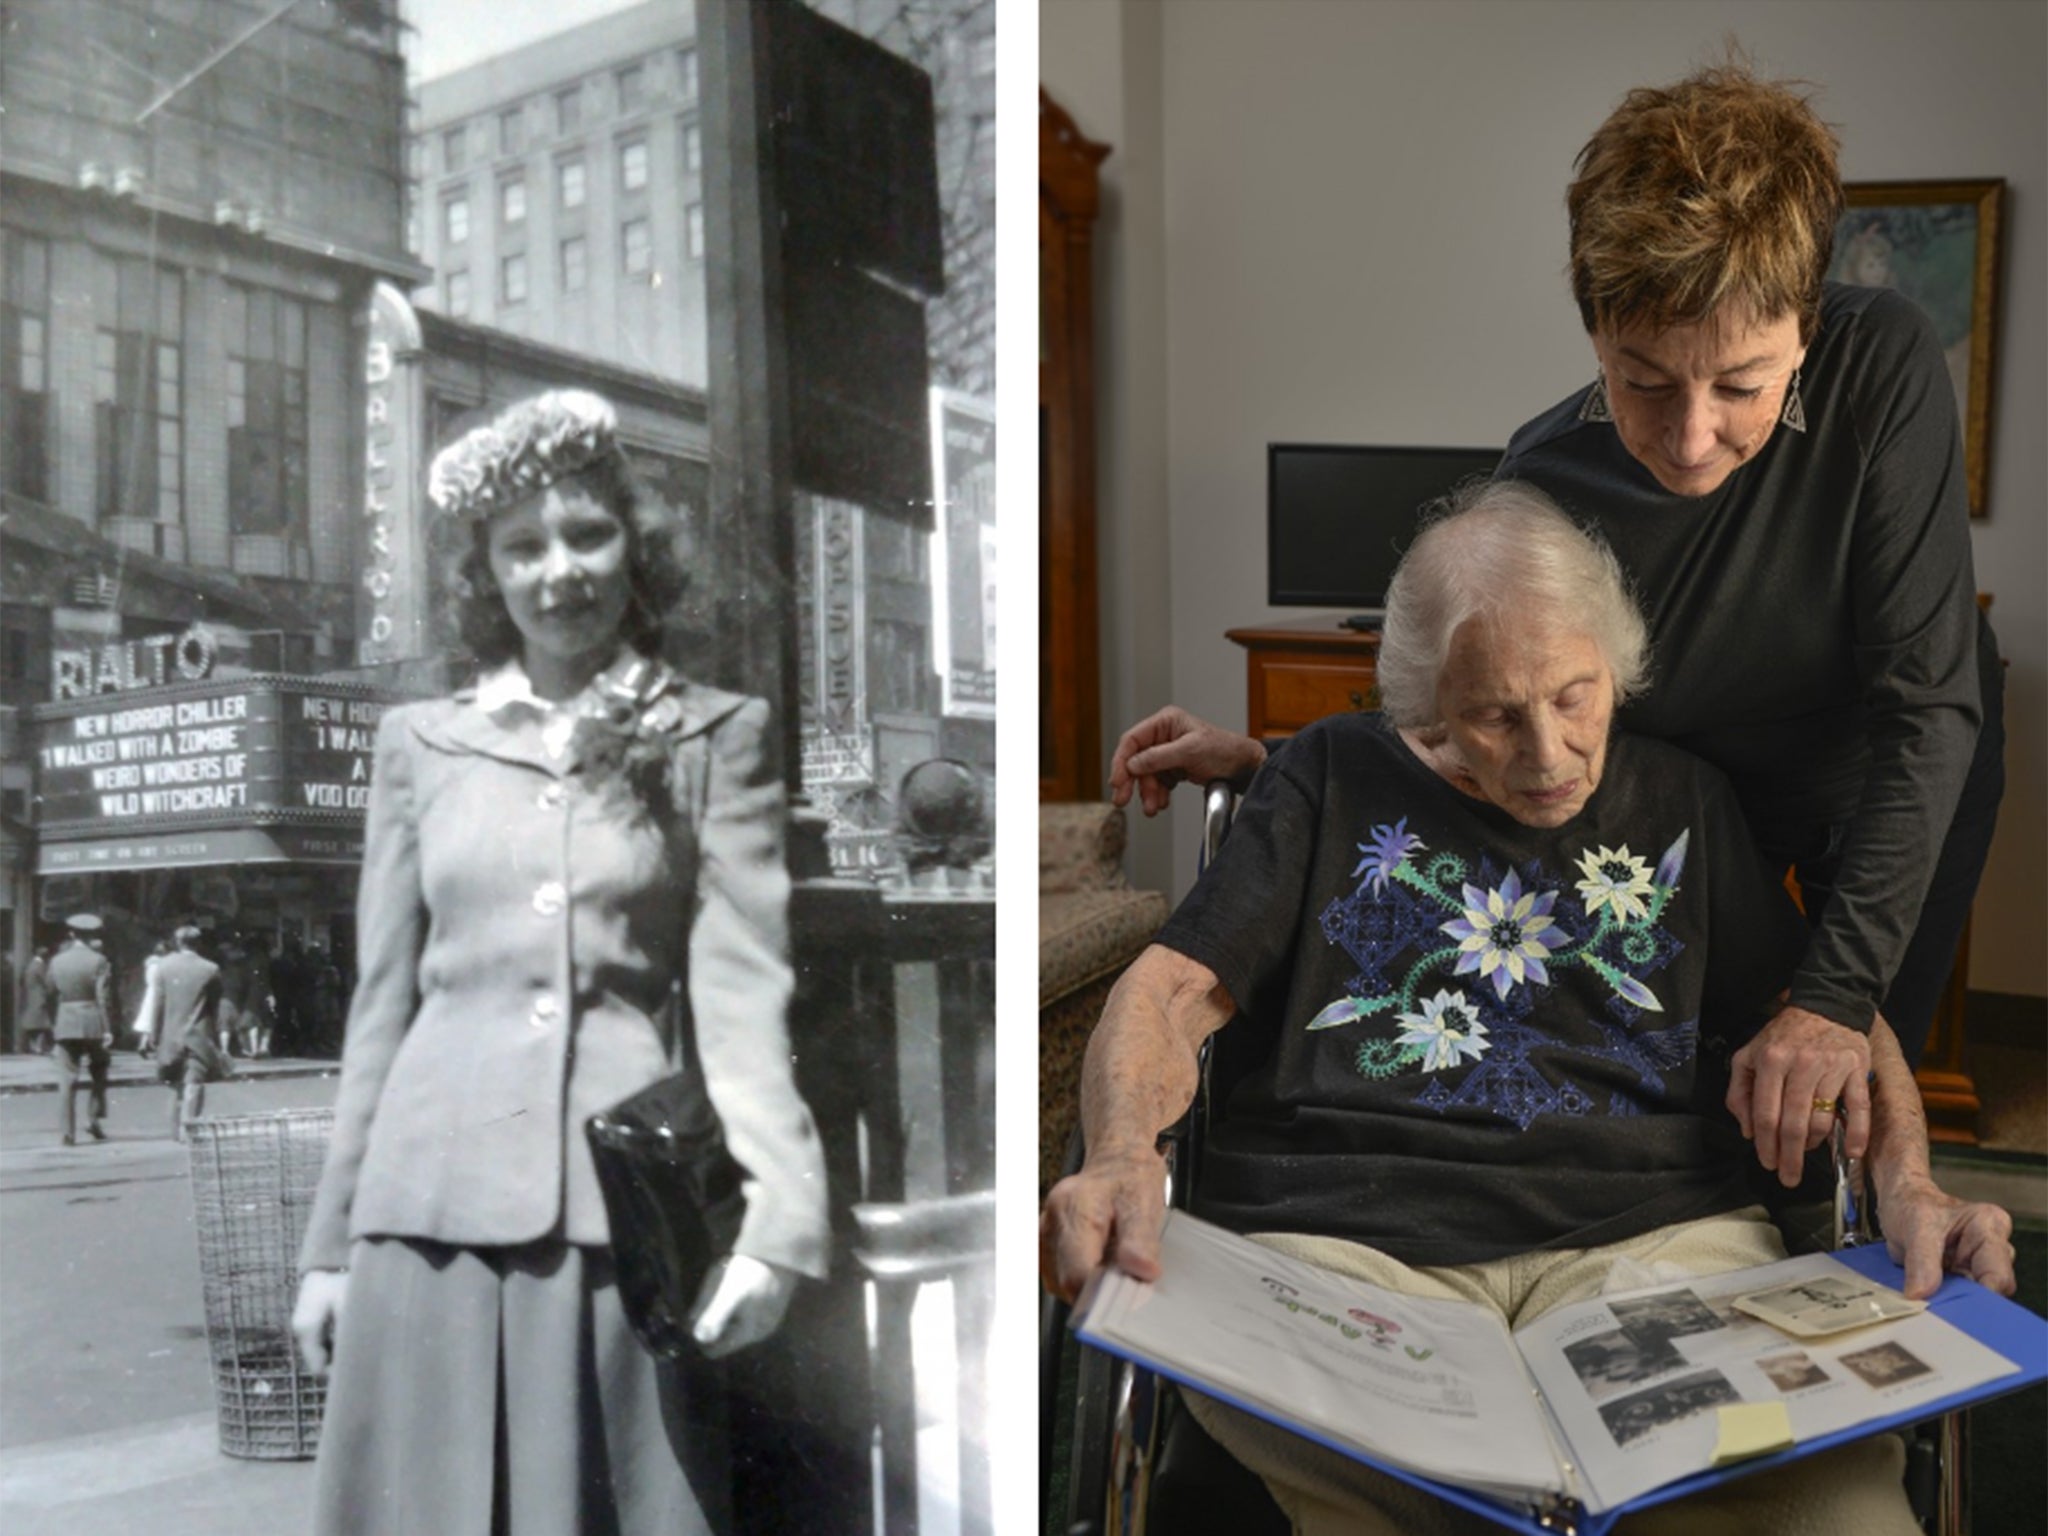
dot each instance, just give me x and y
(1722, 189)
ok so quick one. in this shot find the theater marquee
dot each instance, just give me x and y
(186, 773)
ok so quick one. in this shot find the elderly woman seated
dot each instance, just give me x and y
(1501, 965)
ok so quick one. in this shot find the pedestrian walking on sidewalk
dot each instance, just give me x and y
(146, 1013)
(38, 1002)
(259, 1012)
(181, 1024)
(82, 981)
(573, 887)
(237, 1028)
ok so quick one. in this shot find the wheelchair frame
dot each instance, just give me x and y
(1119, 1406)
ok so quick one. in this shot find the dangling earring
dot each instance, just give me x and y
(1794, 413)
(1596, 407)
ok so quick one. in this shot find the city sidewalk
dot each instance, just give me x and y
(36, 1074)
(107, 1415)
(167, 1477)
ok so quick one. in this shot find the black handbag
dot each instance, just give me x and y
(672, 1192)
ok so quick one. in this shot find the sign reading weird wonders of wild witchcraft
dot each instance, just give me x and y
(228, 752)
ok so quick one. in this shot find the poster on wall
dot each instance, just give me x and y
(964, 552)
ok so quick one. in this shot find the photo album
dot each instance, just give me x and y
(1605, 1405)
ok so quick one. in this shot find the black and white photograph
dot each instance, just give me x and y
(1616, 1360)
(1885, 1365)
(1827, 1304)
(1794, 1372)
(500, 548)
(1655, 1320)
(1628, 1419)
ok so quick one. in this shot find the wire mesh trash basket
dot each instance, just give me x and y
(253, 1178)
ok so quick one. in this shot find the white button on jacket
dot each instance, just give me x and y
(460, 1117)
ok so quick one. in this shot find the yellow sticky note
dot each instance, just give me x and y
(1752, 1429)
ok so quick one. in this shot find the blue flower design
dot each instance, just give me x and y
(1385, 849)
(1448, 1029)
(1672, 865)
(1506, 934)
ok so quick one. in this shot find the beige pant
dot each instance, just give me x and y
(1851, 1488)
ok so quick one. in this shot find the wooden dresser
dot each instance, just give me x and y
(1298, 672)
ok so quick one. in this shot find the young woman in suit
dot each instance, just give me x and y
(573, 886)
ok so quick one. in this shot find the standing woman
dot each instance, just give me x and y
(38, 1003)
(1777, 462)
(145, 1015)
(573, 886)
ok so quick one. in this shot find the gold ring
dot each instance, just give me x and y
(1823, 1106)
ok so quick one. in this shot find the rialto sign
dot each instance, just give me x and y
(119, 665)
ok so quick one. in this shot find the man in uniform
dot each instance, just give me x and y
(82, 981)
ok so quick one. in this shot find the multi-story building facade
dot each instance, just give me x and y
(558, 192)
(196, 199)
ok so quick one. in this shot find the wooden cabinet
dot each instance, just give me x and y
(1296, 673)
(1070, 761)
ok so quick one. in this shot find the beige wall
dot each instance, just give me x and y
(1361, 238)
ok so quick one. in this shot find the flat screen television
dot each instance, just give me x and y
(1338, 518)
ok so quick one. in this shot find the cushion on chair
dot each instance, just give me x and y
(1080, 847)
(1085, 939)
(1090, 926)
(1086, 935)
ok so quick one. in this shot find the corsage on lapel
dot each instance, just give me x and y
(628, 724)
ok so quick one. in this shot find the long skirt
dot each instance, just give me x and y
(500, 1392)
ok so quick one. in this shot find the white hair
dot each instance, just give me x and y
(1490, 550)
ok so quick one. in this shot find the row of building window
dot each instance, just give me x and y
(571, 187)
(630, 91)
(139, 390)
(636, 258)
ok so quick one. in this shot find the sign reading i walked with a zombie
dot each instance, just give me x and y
(248, 750)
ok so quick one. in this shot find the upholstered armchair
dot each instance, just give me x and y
(1091, 924)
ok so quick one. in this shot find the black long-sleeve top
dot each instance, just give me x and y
(1814, 623)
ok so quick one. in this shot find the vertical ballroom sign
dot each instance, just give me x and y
(964, 552)
(391, 587)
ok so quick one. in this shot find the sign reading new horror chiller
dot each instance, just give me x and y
(253, 751)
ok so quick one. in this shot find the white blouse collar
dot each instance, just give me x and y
(505, 690)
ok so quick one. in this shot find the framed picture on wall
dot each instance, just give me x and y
(1937, 242)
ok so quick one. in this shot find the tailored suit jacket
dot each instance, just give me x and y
(534, 947)
(187, 999)
(82, 981)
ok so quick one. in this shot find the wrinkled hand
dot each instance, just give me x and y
(1931, 1233)
(1173, 746)
(1796, 1058)
(741, 1302)
(323, 1293)
(1111, 1210)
